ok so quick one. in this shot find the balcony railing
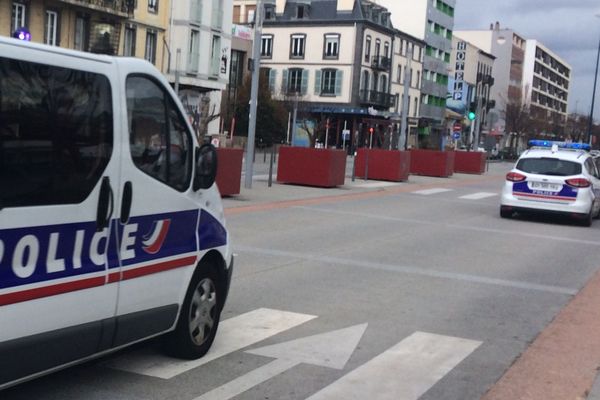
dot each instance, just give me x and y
(381, 62)
(121, 8)
(377, 99)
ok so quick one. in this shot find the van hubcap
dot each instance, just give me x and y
(203, 310)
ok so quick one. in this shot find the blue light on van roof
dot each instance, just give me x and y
(22, 34)
(561, 145)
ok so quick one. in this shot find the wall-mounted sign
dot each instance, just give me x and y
(459, 68)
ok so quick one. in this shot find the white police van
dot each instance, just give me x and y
(111, 228)
(553, 177)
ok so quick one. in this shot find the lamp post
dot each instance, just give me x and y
(591, 121)
(253, 94)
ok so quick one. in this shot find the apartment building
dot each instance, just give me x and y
(509, 49)
(433, 22)
(407, 70)
(469, 87)
(116, 27)
(94, 26)
(336, 59)
(546, 82)
(200, 58)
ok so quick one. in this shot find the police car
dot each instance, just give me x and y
(553, 177)
(112, 230)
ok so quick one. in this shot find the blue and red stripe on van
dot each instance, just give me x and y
(47, 254)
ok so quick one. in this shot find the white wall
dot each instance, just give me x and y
(313, 58)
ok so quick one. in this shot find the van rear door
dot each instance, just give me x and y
(58, 181)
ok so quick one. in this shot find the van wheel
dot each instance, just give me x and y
(505, 212)
(199, 317)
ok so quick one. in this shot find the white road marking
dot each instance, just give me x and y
(478, 196)
(374, 184)
(427, 192)
(330, 349)
(439, 224)
(404, 372)
(234, 334)
(422, 271)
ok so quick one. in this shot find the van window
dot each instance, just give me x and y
(56, 133)
(159, 140)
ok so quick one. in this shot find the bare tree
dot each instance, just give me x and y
(518, 120)
(207, 115)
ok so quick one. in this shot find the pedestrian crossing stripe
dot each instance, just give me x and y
(428, 192)
(404, 371)
(421, 359)
(478, 196)
(233, 334)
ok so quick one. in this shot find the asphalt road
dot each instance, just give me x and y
(407, 291)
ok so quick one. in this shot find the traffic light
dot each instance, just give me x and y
(472, 112)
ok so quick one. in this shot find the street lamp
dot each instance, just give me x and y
(591, 121)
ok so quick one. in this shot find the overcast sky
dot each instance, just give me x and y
(567, 27)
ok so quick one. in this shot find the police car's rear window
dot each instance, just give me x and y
(549, 166)
(56, 133)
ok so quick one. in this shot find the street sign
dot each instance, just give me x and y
(456, 135)
(346, 134)
(457, 127)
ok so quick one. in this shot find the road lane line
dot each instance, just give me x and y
(409, 270)
(234, 334)
(478, 196)
(452, 226)
(428, 192)
(404, 372)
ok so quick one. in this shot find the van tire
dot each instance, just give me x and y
(505, 212)
(199, 317)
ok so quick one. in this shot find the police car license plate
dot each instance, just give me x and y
(548, 187)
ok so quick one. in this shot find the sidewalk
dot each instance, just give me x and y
(261, 193)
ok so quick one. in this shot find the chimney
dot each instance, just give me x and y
(492, 26)
(279, 6)
(497, 25)
(345, 5)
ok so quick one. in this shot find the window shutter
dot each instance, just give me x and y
(272, 78)
(284, 81)
(304, 87)
(339, 78)
(317, 82)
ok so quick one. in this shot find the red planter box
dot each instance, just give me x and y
(311, 167)
(384, 165)
(432, 163)
(469, 162)
(229, 170)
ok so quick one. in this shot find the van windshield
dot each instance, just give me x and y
(549, 166)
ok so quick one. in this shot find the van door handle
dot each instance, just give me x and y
(126, 203)
(105, 205)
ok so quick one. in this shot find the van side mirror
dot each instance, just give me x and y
(206, 167)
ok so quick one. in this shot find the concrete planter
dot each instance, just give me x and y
(229, 172)
(432, 163)
(469, 162)
(311, 167)
(384, 165)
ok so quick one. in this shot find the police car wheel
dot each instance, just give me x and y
(588, 219)
(199, 317)
(505, 212)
